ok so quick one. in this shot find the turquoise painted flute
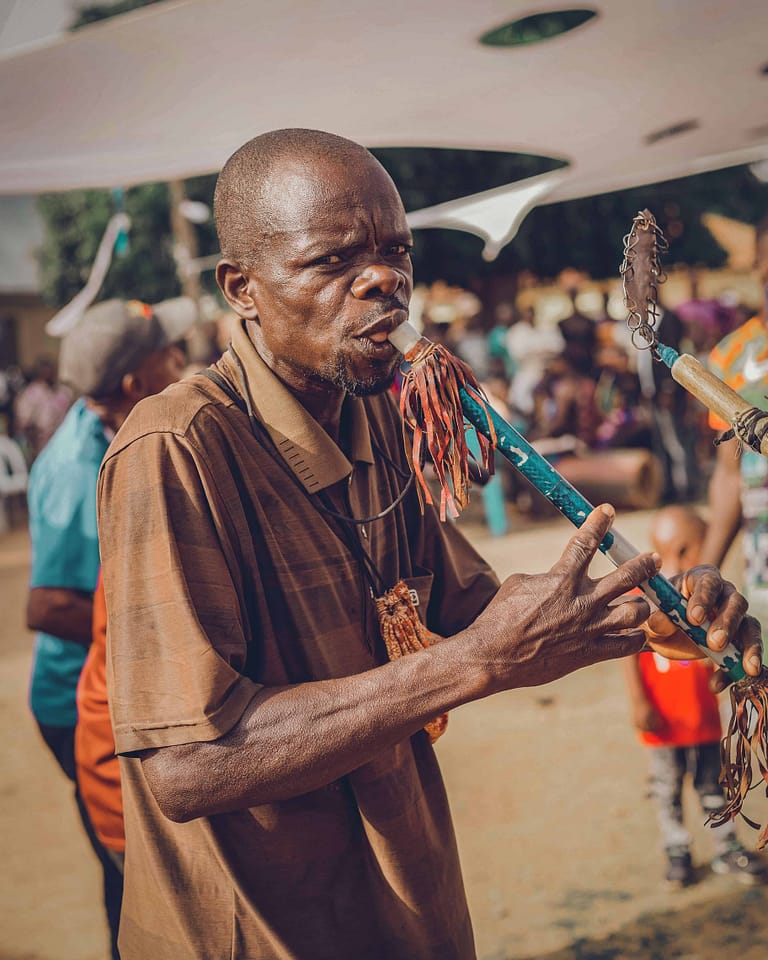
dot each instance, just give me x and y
(566, 498)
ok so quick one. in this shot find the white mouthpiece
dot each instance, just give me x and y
(405, 337)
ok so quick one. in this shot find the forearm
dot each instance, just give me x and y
(67, 614)
(292, 740)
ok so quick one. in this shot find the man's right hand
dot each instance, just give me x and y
(541, 627)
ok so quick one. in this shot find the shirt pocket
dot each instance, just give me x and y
(420, 587)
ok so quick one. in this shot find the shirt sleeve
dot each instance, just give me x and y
(65, 552)
(463, 584)
(176, 641)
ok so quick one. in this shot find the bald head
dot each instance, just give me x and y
(249, 200)
(677, 534)
(316, 261)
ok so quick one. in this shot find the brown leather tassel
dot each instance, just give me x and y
(404, 633)
(431, 408)
(745, 740)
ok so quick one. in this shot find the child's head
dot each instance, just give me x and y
(677, 535)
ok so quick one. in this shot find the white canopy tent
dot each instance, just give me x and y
(171, 90)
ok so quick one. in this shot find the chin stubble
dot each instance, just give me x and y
(339, 376)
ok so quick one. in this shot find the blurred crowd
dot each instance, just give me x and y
(574, 385)
(578, 387)
(571, 385)
(32, 405)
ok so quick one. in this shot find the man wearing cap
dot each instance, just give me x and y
(117, 354)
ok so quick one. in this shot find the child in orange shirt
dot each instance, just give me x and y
(678, 718)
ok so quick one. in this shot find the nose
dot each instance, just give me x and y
(377, 280)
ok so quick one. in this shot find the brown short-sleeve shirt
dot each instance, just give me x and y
(222, 576)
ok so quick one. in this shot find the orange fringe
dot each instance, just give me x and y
(431, 408)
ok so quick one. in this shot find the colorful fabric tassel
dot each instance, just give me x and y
(431, 408)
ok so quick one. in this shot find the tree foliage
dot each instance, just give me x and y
(585, 234)
(74, 224)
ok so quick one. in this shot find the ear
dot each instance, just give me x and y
(133, 386)
(237, 289)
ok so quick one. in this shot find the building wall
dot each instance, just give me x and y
(23, 318)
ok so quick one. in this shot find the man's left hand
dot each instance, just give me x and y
(709, 598)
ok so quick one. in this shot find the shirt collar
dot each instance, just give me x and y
(306, 448)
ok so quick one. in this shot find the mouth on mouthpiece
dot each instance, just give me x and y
(405, 337)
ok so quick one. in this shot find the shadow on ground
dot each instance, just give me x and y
(733, 927)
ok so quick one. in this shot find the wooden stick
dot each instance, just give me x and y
(716, 396)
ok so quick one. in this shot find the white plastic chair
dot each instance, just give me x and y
(14, 476)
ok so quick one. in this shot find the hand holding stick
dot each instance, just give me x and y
(439, 390)
(503, 437)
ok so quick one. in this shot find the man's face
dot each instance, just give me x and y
(332, 278)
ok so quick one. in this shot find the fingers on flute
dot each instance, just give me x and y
(627, 615)
(719, 681)
(611, 646)
(582, 546)
(628, 576)
(703, 587)
(750, 641)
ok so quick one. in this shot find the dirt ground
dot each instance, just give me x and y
(556, 831)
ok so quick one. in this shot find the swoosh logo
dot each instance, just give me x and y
(754, 371)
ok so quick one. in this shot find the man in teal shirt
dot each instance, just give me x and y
(65, 558)
(117, 354)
